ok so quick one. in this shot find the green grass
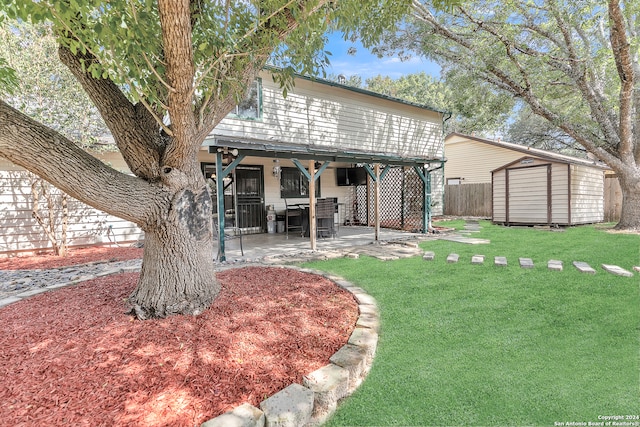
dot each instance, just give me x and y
(481, 345)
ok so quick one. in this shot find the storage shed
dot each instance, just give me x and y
(535, 190)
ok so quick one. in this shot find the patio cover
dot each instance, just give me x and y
(243, 147)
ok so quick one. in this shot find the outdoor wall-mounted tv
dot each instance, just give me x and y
(351, 176)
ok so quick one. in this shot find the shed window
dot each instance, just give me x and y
(295, 185)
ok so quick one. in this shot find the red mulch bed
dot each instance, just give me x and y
(73, 357)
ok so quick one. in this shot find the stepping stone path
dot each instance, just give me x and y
(468, 240)
(429, 256)
(471, 227)
(477, 259)
(583, 267)
(501, 261)
(554, 265)
(618, 271)
(526, 262)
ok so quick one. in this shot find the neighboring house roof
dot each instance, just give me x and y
(536, 152)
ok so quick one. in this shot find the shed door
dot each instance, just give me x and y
(529, 195)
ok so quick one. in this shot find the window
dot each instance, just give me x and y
(295, 185)
(454, 181)
(251, 106)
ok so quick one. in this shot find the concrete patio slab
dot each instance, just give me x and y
(467, 240)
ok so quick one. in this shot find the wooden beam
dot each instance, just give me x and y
(376, 202)
(312, 204)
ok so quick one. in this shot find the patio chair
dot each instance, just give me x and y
(325, 208)
(293, 219)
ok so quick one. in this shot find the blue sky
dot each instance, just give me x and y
(368, 65)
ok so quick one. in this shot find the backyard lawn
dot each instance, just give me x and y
(482, 345)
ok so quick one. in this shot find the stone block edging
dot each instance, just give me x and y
(313, 402)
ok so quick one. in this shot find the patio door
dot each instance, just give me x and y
(243, 197)
(249, 198)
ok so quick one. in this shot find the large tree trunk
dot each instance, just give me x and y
(178, 274)
(630, 214)
(174, 211)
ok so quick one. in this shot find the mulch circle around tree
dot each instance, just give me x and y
(74, 357)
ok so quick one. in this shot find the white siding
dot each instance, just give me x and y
(499, 196)
(19, 231)
(322, 116)
(587, 195)
(473, 161)
(528, 195)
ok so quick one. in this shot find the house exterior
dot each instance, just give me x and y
(528, 185)
(20, 232)
(265, 150)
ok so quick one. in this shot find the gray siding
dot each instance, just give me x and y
(528, 195)
(499, 196)
(559, 193)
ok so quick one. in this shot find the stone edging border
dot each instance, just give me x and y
(313, 402)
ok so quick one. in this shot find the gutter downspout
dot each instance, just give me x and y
(444, 121)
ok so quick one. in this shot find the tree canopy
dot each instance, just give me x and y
(573, 63)
(475, 108)
(162, 75)
(45, 89)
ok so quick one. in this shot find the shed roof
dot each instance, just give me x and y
(535, 152)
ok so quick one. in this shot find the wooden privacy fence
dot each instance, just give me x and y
(612, 198)
(475, 199)
(468, 200)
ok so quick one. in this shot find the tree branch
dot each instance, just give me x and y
(622, 55)
(579, 74)
(58, 160)
(502, 79)
(134, 129)
(212, 109)
(175, 20)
